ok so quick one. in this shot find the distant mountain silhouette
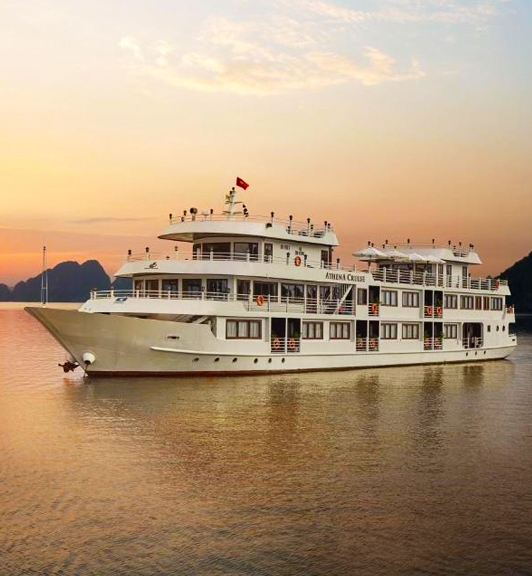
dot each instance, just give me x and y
(67, 282)
(5, 293)
(519, 277)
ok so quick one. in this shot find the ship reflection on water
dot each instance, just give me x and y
(386, 471)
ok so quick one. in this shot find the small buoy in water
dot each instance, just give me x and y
(88, 358)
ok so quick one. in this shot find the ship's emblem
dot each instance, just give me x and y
(153, 265)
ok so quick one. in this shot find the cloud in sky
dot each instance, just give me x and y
(299, 44)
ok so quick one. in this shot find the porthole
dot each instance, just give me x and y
(504, 328)
(196, 360)
(217, 359)
(283, 359)
(235, 359)
(270, 360)
(498, 327)
(476, 353)
(489, 327)
(467, 353)
(484, 352)
(256, 360)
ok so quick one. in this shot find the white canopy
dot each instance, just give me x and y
(370, 253)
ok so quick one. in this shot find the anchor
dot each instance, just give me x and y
(68, 366)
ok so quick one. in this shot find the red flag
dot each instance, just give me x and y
(241, 183)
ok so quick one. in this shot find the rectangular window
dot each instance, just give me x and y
(192, 288)
(389, 297)
(467, 302)
(216, 250)
(268, 252)
(339, 330)
(243, 289)
(478, 302)
(496, 303)
(451, 301)
(265, 289)
(171, 286)
(411, 299)
(389, 331)
(451, 331)
(362, 296)
(313, 330)
(243, 329)
(410, 331)
(292, 292)
(486, 301)
(245, 250)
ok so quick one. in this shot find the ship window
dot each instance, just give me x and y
(339, 330)
(362, 296)
(389, 331)
(152, 288)
(411, 299)
(243, 289)
(504, 328)
(467, 302)
(244, 329)
(450, 331)
(292, 292)
(217, 287)
(170, 286)
(192, 288)
(389, 298)
(486, 302)
(243, 249)
(268, 252)
(410, 331)
(220, 250)
(478, 302)
(265, 289)
(496, 303)
(451, 301)
(313, 330)
(489, 327)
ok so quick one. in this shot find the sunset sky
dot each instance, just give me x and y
(390, 118)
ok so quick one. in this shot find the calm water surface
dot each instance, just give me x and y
(417, 470)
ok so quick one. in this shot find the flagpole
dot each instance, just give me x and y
(44, 279)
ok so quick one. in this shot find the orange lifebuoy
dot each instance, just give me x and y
(260, 300)
(372, 344)
(276, 344)
(297, 260)
(438, 311)
(374, 308)
(291, 344)
(429, 310)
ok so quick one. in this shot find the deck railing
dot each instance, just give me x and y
(382, 275)
(282, 345)
(436, 280)
(475, 342)
(292, 226)
(250, 302)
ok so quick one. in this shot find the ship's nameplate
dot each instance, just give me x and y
(345, 277)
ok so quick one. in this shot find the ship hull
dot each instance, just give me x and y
(114, 345)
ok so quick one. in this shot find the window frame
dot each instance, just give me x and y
(244, 321)
(335, 326)
(305, 330)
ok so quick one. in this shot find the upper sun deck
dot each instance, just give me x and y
(422, 254)
(192, 226)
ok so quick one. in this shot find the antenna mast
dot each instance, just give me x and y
(44, 279)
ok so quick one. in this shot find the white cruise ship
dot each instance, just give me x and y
(259, 294)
